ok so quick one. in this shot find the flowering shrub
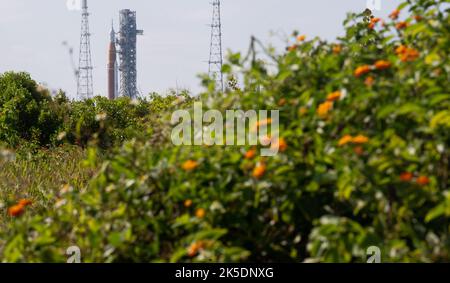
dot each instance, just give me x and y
(364, 161)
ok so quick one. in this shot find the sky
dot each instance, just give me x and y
(175, 45)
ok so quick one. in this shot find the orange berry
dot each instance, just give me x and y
(361, 70)
(382, 65)
(423, 180)
(259, 171)
(189, 165)
(406, 176)
(418, 18)
(188, 203)
(200, 213)
(16, 210)
(282, 102)
(334, 96)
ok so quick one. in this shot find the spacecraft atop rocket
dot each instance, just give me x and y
(113, 69)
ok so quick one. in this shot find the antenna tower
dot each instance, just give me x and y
(85, 87)
(215, 54)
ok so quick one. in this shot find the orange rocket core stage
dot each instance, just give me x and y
(112, 71)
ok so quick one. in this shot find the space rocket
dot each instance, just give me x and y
(113, 69)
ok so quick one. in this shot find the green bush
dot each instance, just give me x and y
(26, 112)
(365, 126)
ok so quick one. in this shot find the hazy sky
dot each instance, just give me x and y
(175, 46)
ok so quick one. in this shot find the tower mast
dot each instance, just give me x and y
(85, 87)
(215, 53)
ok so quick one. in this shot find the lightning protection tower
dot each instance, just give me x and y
(85, 88)
(215, 54)
(127, 42)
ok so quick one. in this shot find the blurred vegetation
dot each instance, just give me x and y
(364, 124)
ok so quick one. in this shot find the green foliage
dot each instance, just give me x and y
(325, 198)
(26, 111)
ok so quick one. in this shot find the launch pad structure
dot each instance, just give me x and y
(127, 40)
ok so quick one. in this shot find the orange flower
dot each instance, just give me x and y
(423, 180)
(188, 203)
(324, 108)
(407, 54)
(280, 144)
(200, 213)
(401, 49)
(16, 210)
(375, 20)
(345, 140)
(406, 176)
(361, 70)
(25, 202)
(412, 55)
(337, 49)
(401, 25)
(301, 38)
(302, 111)
(292, 48)
(394, 15)
(282, 102)
(382, 65)
(359, 150)
(334, 96)
(259, 171)
(189, 165)
(369, 81)
(360, 139)
(250, 154)
(194, 248)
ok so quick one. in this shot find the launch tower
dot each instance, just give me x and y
(127, 42)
